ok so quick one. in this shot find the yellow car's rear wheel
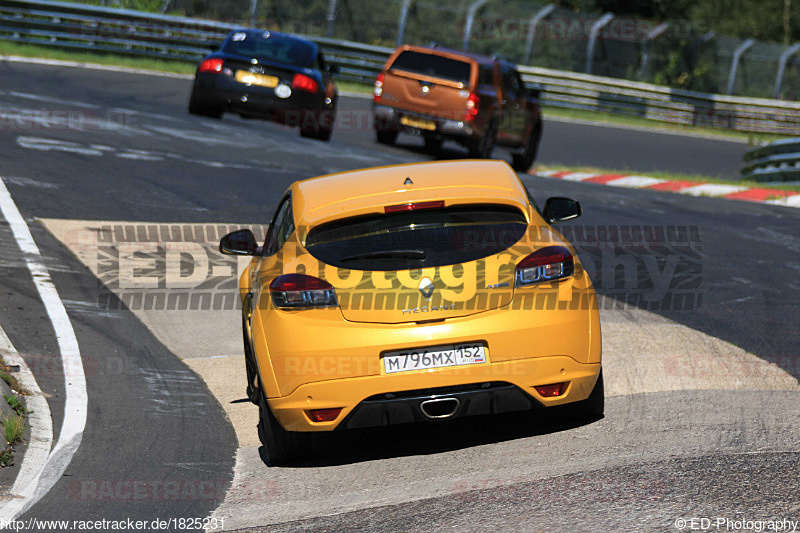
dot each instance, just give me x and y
(281, 446)
(250, 367)
(593, 407)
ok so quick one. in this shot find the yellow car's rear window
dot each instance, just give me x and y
(417, 239)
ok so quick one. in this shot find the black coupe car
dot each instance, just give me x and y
(271, 75)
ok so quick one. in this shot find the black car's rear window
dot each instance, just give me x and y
(433, 65)
(417, 239)
(270, 47)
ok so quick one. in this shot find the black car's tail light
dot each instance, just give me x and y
(547, 264)
(211, 65)
(297, 291)
(301, 82)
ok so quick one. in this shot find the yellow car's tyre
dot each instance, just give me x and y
(252, 390)
(593, 407)
(281, 446)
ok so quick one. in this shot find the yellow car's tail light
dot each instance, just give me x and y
(323, 415)
(547, 264)
(293, 291)
(551, 391)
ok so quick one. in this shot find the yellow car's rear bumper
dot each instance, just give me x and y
(521, 376)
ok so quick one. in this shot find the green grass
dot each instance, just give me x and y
(597, 116)
(354, 87)
(160, 65)
(7, 457)
(10, 380)
(17, 405)
(181, 67)
(674, 176)
(14, 426)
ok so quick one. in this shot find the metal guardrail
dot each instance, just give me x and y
(664, 104)
(778, 161)
(101, 29)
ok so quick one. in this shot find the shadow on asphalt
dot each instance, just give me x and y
(354, 446)
(448, 152)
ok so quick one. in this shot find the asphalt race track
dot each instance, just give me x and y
(700, 317)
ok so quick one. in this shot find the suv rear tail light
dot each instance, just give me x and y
(436, 204)
(211, 65)
(297, 291)
(472, 106)
(301, 82)
(379, 86)
(547, 264)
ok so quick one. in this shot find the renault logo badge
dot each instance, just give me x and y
(426, 288)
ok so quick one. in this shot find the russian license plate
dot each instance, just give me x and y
(251, 78)
(434, 357)
(420, 123)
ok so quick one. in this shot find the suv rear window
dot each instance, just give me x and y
(433, 65)
(417, 239)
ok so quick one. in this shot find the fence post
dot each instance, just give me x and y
(401, 24)
(593, 33)
(782, 67)
(473, 9)
(737, 55)
(331, 17)
(253, 9)
(542, 13)
(654, 34)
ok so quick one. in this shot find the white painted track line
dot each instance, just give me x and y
(41, 424)
(713, 189)
(578, 176)
(94, 66)
(791, 201)
(75, 408)
(635, 182)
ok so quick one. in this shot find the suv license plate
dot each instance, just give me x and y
(434, 357)
(420, 123)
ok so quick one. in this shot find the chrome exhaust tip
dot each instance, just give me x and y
(438, 408)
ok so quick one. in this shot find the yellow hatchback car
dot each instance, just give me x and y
(413, 293)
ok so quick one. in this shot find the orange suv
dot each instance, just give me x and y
(475, 100)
